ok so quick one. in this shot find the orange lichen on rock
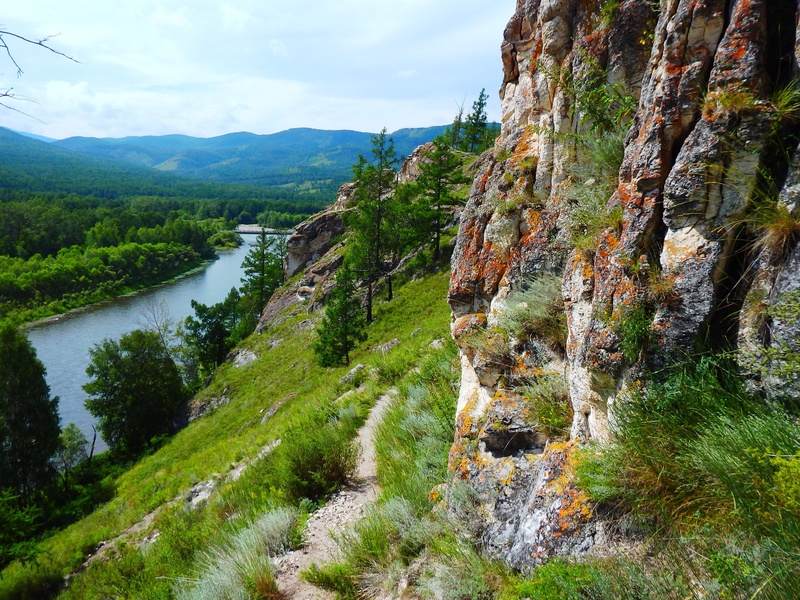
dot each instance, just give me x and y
(468, 324)
(466, 423)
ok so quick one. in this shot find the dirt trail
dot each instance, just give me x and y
(344, 508)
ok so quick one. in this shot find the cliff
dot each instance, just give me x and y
(640, 205)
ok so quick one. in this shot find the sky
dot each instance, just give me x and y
(209, 67)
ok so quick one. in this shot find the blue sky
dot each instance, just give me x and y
(208, 67)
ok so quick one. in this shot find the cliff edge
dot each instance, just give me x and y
(640, 205)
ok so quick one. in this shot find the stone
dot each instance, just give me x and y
(695, 150)
(352, 374)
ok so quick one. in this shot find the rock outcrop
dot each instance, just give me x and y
(316, 235)
(689, 242)
(315, 249)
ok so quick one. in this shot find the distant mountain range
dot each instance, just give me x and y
(312, 160)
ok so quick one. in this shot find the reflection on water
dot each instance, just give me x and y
(63, 344)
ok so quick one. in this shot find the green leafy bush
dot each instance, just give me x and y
(317, 455)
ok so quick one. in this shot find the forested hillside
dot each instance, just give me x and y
(35, 166)
(307, 159)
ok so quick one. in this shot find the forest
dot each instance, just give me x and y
(63, 250)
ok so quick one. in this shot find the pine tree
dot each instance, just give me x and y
(456, 131)
(475, 127)
(210, 333)
(344, 323)
(263, 268)
(438, 175)
(374, 215)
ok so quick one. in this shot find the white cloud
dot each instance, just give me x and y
(213, 66)
(234, 19)
(278, 48)
(407, 74)
(165, 18)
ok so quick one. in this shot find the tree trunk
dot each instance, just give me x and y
(437, 238)
(369, 298)
(91, 450)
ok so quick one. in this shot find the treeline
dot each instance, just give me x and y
(45, 223)
(77, 276)
(28, 165)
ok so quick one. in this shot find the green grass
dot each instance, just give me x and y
(412, 445)
(212, 445)
(713, 469)
(241, 568)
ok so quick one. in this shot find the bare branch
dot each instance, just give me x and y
(9, 93)
(42, 43)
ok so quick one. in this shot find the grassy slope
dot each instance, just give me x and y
(212, 445)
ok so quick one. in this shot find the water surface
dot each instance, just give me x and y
(63, 343)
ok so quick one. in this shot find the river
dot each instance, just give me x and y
(63, 343)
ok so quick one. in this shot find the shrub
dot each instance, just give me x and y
(317, 456)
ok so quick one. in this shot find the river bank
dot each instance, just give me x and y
(62, 342)
(133, 291)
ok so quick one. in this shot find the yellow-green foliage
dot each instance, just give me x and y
(209, 448)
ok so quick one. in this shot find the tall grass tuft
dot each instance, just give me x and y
(548, 399)
(242, 569)
(712, 466)
(537, 311)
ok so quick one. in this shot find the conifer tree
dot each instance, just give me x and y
(375, 214)
(344, 323)
(263, 268)
(438, 175)
(456, 130)
(475, 127)
(211, 332)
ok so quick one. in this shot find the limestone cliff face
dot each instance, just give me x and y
(693, 244)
